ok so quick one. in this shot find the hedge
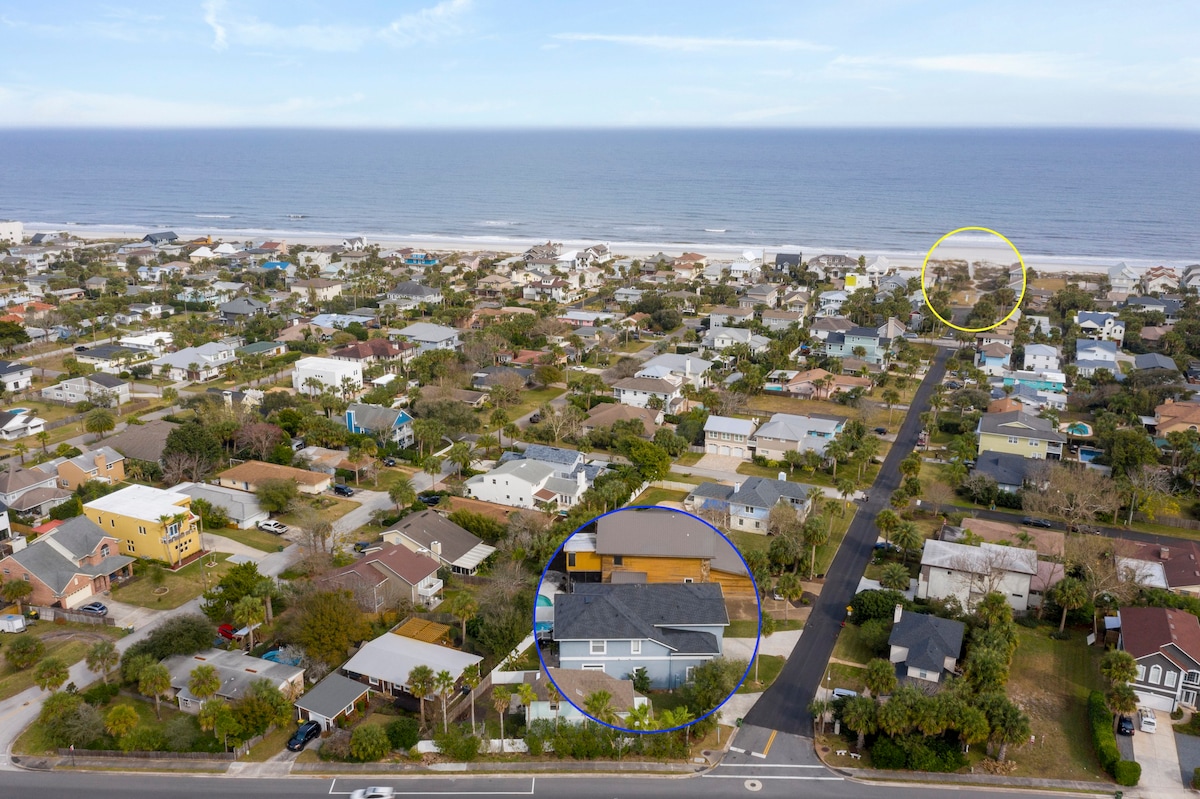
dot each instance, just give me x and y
(1103, 738)
(1128, 772)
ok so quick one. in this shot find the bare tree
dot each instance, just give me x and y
(939, 494)
(180, 467)
(1149, 488)
(1075, 495)
(258, 437)
(1097, 562)
(563, 420)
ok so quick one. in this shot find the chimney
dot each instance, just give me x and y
(436, 546)
(897, 613)
(1164, 553)
(783, 477)
(687, 367)
(737, 487)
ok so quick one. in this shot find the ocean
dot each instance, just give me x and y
(1103, 194)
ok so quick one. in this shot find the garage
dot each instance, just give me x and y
(1156, 701)
(738, 452)
(724, 450)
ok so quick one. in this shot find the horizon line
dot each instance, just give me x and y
(602, 128)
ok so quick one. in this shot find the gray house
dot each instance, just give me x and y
(666, 628)
(1165, 643)
(923, 647)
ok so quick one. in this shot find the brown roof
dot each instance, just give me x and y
(371, 348)
(606, 413)
(257, 471)
(1180, 561)
(144, 442)
(1146, 631)
(576, 684)
(1177, 414)
(392, 560)
(1004, 405)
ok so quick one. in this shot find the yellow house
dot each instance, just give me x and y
(151, 522)
(1021, 434)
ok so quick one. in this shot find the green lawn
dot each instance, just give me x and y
(749, 542)
(769, 667)
(271, 745)
(33, 741)
(839, 675)
(183, 585)
(14, 681)
(264, 542)
(748, 628)
(685, 478)
(655, 496)
(689, 458)
(533, 399)
(828, 550)
(850, 647)
(328, 509)
(1051, 681)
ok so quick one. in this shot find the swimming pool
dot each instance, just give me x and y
(543, 614)
(18, 410)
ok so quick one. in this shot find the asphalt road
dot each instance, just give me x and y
(1111, 532)
(762, 780)
(784, 706)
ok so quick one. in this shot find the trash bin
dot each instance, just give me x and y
(279, 548)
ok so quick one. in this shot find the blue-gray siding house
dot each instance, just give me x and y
(666, 628)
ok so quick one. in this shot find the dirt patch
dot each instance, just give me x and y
(72, 635)
(498, 512)
(742, 608)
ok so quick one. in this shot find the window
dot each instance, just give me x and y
(25, 576)
(571, 559)
(924, 675)
(1034, 443)
(618, 560)
(1155, 675)
(1013, 440)
(597, 647)
(688, 580)
(1169, 679)
(112, 522)
(141, 529)
(1192, 678)
(63, 483)
(635, 647)
(593, 667)
(104, 551)
(689, 673)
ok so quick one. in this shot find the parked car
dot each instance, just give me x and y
(81, 348)
(227, 631)
(838, 693)
(535, 418)
(389, 461)
(1125, 725)
(881, 431)
(1146, 720)
(430, 499)
(273, 527)
(1029, 521)
(94, 609)
(886, 546)
(343, 490)
(307, 731)
(297, 444)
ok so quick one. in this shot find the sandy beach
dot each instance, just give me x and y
(970, 246)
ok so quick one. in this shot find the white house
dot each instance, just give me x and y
(641, 392)
(725, 435)
(430, 337)
(1093, 355)
(197, 363)
(90, 388)
(1041, 358)
(1100, 325)
(970, 573)
(1124, 278)
(313, 375)
(15, 376)
(829, 303)
(689, 368)
(527, 483)
(155, 343)
(722, 338)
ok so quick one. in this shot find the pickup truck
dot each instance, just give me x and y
(273, 527)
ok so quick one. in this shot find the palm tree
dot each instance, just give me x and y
(501, 699)
(432, 466)
(99, 421)
(639, 717)
(50, 674)
(204, 681)
(1070, 594)
(120, 721)
(818, 709)
(1011, 726)
(894, 576)
(598, 705)
(526, 695)
(471, 678)
(907, 537)
(1118, 667)
(463, 607)
(488, 442)
(461, 456)
(154, 681)
(860, 714)
(673, 718)
(102, 658)
(887, 521)
(402, 493)
(845, 487)
(554, 697)
(791, 589)
(20, 449)
(1122, 699)
(881, 677)
(248, 613)
(890, 397)
(16, 591)
(420, 682)
(43, 439)
(443, 681)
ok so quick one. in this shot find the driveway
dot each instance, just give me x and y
(134, 616)
(368, 503)
(781, 643)
(1159, 758)
(1187, 748)
(219, 543)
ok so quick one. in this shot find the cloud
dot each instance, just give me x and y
(692, 44)
(1036, 66)
(425, 25)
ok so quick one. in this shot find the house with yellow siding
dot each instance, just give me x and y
(1020, 433)
(149, 522)
(656, 545)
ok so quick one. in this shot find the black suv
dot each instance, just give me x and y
(1125, 725)
(343, 490)
(1029, 521)
(308, 730)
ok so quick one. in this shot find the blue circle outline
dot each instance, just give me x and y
(749, 665)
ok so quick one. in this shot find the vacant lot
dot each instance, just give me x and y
(264, 542)
(657, 496)
(1051, 680)
(850, 647)
(324, 508)
(181, 586)
(70, 642)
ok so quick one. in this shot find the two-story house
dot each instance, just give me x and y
(641, 392)
(1041, 358)
(994, 359)
(149, 522)
(750, 501)
(105, 465)
(30, 491)
(1165, 644)
(430, 336)
(789, 431)
(529, 484)
(411, 294)
(668, 629)
(15, 376)
(429, 533)
(389, 424)
(829, 303)
(314, 375)
(1020, 433)
(862, 343)
(725, 435)
(924, 646)
(761, 294)
(720, 339)
(688, 368)
(98, 388)
(197, 363)
(724, 315)
(69, 565)
(779, 319)
(316, 290)
(389, 578)
(1100, 325)
(656, 545)
(1091, 356)
(970, 573)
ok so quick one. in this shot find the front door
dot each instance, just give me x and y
(1188, 697)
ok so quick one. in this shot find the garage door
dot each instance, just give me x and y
(712, 449)
(80, 597)
(724, 450)
(1156, 701)
(737, 452)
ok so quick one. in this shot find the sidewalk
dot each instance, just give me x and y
(997, 780)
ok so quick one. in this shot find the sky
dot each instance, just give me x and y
(615, 63)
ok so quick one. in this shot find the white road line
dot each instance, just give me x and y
(530, 792)
(736, 749)
(758, 754)
(771, 777)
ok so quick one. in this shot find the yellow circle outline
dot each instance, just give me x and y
(1021, 296)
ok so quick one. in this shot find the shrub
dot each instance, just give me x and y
(1196, 778)
(872, 604)
(458, 744)
(100, 694)
(25, 652)
(887, 754)
(336, 747)
(403, 733)
(1103, 737)
(1064, 635)
(369, 742)
(1128, 772)
(143, 739)
(1177, 714)
(874, 635)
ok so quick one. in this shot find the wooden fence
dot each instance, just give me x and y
(1169, 521)
(53, 614)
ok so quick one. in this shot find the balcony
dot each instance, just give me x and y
(429, 590)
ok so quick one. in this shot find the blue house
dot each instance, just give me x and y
(420, 259)
(843, 345)
(390, 424)
(666, 628)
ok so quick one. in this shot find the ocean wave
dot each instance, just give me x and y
(214, 216)
(714, 230)
(497, 223)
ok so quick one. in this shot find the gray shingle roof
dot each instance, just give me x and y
(1005, 468)
(79, 537)
(1019, 423)
(428, 526)
(547, 454)
(332, 695)
(929, 640)
(646, 611)
(655, 532)
(764, 492)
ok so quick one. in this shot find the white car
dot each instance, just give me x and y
(373, 793)
(1147, 720)
(273, 527)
